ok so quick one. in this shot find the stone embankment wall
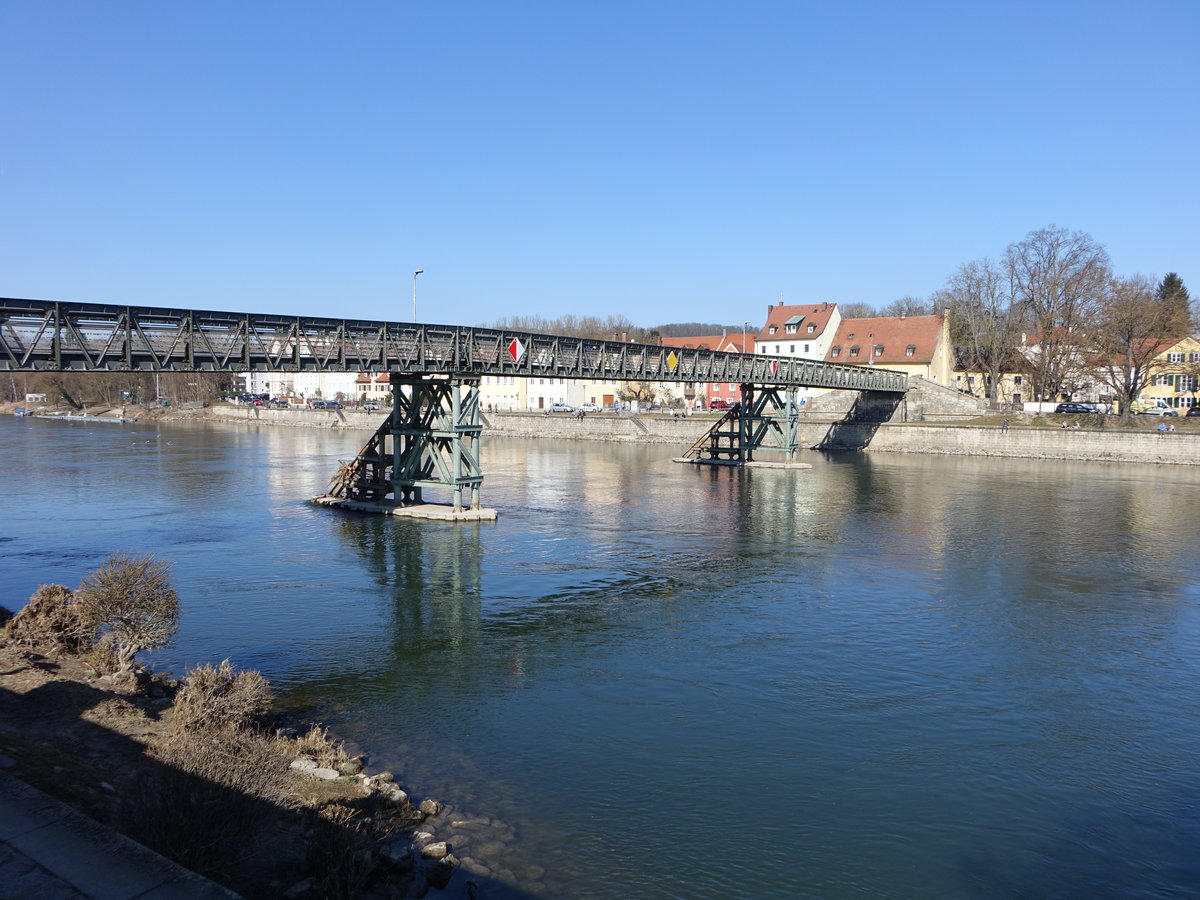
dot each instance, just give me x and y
(816, 432)
(822, 434)
(300, 417)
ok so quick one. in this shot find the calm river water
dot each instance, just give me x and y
(888, 675)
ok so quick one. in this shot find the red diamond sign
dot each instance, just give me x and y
(516, 350)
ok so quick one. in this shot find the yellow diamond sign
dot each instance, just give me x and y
(672, 360)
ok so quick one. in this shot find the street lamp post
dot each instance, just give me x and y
(415, 274)
(745, 328)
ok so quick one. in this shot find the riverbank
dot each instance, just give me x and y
(264, 810)
(1027, 437)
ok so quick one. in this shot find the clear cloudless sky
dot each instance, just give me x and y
(666, 161)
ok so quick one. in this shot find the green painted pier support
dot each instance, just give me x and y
(430, 440)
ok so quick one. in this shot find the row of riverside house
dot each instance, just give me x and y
(915, 345)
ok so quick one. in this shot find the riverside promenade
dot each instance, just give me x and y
(49, 851)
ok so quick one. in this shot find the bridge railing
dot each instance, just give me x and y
(41, 335)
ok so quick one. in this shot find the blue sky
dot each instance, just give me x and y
(664, 161)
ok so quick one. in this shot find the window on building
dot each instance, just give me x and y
(1162, 380)
(910, 350)
(776, 348)
(791, 348)
(1016, 379)
(878, 350)
(806, 348)
(1186, 402)
(853, 352)
(835, 352)
(1194, 356)
(1187, 383)
(850, 337)
(1174, 357)
(790, 329)
(811, 327)
(772, 330)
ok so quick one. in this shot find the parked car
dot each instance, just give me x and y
(590, 407)
(370, 406)
(1084, 408)
(718, 404)
(1155, 411)
(1193, 411)
(317, 404)
(333, 404)
(559, 407)
(280, 402)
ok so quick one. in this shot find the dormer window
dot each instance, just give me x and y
(910, 350)
(835, 351)
(772, 330)
(850, 336)
(811, 327)
(878, 350)
(854, 352)
(790, 329)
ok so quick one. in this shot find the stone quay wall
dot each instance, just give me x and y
(816, 433)
(823, 434)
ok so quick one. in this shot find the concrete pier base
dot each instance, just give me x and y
(435, 511)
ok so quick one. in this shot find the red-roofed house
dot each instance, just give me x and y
(803, 331)
(916, 345)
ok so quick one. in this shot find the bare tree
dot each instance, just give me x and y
(130, 602)
(1130, 328)
(1056, 278)
(856, 310)
(908, 306)
(984, 324)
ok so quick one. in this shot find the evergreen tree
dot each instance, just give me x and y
(1172, 292)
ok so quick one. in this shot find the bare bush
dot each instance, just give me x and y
(131, 599)
(209, 798)
(343, 855)
(50, 619)
(316, 743)
(216, 698)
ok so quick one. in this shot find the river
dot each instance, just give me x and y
(887, 675)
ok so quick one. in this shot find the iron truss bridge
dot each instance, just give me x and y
(43, 335)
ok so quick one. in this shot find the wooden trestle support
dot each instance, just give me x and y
(431, 439)
(766, 418)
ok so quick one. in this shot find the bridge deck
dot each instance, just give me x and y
(43, 335)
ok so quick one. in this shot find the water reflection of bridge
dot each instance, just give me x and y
(431, 437)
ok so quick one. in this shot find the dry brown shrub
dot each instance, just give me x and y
(216, 698)
(130, 600)
(51, 620)
(317, 744)
(343, 853)
(211, 798)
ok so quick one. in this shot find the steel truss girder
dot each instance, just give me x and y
(41, 335)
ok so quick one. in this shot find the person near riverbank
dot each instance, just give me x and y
(1004, 426)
